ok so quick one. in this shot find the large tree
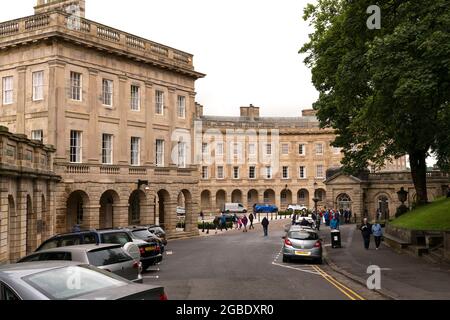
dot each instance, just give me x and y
(385, 91)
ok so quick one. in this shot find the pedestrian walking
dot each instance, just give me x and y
(245, 222)
(334, 224)
(240, 223)
(366, 230)
(318, 222)
(216, 223)
(377, 232)
(251, 218)
(223, 223)
(265, 223)
(235, 221)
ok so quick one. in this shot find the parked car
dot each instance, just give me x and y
(50, 280)
(159, 231)
(181, 211)
(265, 208)
(150, 252)
(233, 208)
(109, 257)
(302, 243)
(296, 207)
(143, 233)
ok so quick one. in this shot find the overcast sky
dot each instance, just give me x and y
(247, 48)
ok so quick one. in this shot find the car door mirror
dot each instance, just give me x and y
(133, 250)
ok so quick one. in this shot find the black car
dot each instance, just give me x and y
(143, 233)
(150, 250)
(158, 231)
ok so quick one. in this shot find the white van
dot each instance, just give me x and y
(296, 207)
(233, 208)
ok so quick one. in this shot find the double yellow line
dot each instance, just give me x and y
(352, 295)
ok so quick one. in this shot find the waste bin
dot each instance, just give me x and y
(336, 239)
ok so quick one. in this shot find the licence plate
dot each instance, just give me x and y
(302, 253)
(150, 249)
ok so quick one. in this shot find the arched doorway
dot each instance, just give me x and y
(383, 207)
(137, 199)
(252, 198)
(344, 202)
(189, 219)
(269, 196)
(76, 204)
(107, 201)
(321, 194)
(236, 196)
(205, 200)
(31, 236)
(13, 231)
(286, 198)
(221, 198)
(303, 197)
(163, 200)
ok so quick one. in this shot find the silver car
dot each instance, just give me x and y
(302, 244)
(109, 257)
(66, 280)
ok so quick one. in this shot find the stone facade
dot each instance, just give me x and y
(27, 189)
(104, 99)
(295, 143)
(367, 194)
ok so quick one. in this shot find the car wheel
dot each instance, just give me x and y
(285, 259)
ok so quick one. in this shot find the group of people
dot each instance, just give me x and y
(367, 230)
(240, 223)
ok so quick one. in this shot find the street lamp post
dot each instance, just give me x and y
(315, 199)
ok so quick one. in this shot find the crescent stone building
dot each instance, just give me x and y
(99, 128)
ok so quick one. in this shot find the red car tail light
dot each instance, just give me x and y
(318, 244)
(163, 297)
(142, 250)
(288, 242)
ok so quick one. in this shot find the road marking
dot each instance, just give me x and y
(297, 269)
(345, 290)
(169, 253)
(150, 277)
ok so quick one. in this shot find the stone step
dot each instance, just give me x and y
(396, 243)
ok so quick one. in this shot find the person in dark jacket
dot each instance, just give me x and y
(265, 223)
(216, 223)
(223, 223)
(251, 218)
(366, 231)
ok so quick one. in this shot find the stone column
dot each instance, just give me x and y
(124, 139)
(21, 100)
(148, 104)
(4, 232)
(170, 216)
(56, 109)
(94, 133)
(91, 218)
(172, 110)
(192, 217)
(120, 217)
(20, 227)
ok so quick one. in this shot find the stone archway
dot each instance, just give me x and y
(286, 198)
(13, 232)
(269, 196)
(77, 202)
(303, 197)
(108, 201)
(344, 202)
(236, 196)
(221, 198)
(252, 198)
(164, 209)
(135, 203)
(205, 200)
(190, 218)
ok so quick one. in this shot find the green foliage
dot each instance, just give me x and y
(386, 92)
(434, 216)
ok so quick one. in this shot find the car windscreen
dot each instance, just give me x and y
(116, 237)
(303, 235)
(157, 230)
(142, 234)
(107, 257)
(71, 282)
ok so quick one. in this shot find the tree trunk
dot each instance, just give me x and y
(419, 175)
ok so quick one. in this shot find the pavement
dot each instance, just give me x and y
(247, 266)
(402, 276)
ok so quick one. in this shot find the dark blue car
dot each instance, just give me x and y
(265, 208)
